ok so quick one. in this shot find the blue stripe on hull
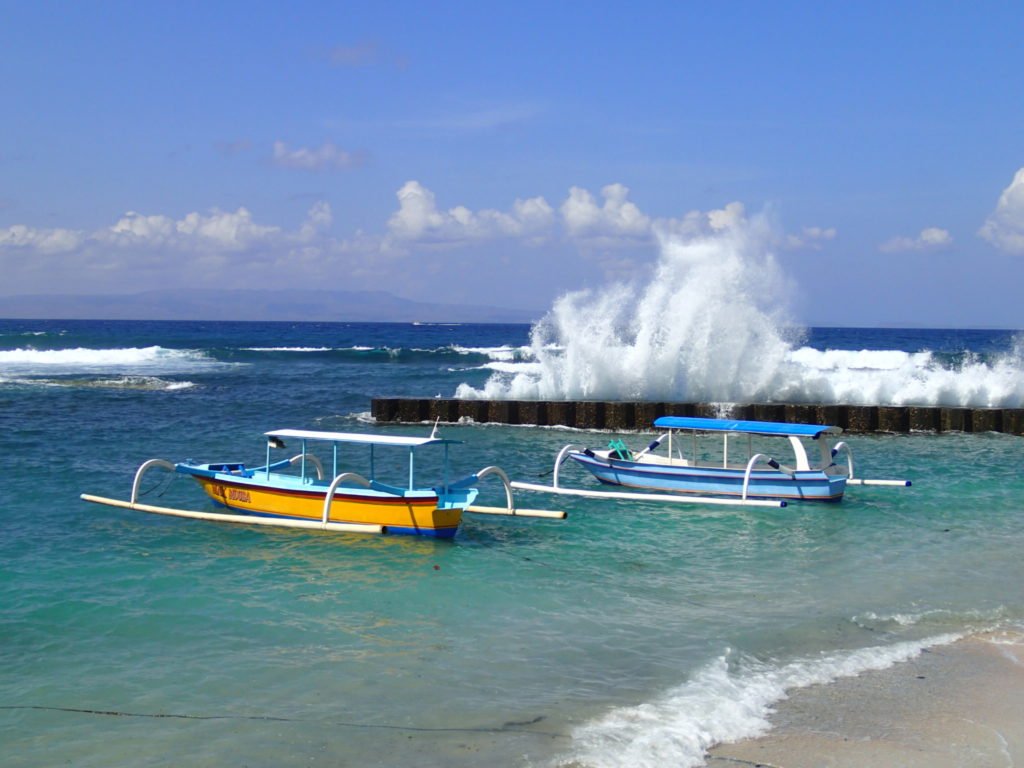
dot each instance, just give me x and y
(807, 486)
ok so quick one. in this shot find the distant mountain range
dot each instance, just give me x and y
(290, 305)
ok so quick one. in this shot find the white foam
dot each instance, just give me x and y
(291, 349)
(711, 325)
(123, 382)
(721, 703)
(87, 360)
(504, 353)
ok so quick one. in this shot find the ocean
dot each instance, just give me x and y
(629, 634)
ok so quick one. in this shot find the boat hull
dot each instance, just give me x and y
(418, 512)
(813, 485)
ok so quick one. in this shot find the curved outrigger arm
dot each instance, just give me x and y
(344, 477)
(560, 459)
(493, 470)
(842, 446)
(309, 457)
(851, 480)
(765, 459)
(215, 516)
(143, 468)
(509, 508)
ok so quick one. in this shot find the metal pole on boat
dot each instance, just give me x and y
(303, 459)
(334, 463)
(412, 484)
(268, 459)
(446, 467)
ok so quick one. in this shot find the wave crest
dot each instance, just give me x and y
(712, 325)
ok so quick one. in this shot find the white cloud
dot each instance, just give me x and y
(43, 241)
(810, 238)
(418, 220)
(325, 157)
(145, 251)
(930, 239)
(142, 250)
(698, 224)
(615, 222)
(1004, 227)
(216, 230)
(318, 220)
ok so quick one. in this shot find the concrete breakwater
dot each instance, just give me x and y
(587, 414)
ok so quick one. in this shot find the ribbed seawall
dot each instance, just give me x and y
(588, 414)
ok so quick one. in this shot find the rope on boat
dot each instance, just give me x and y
(508, 727)
(165, 482)
(545, 474)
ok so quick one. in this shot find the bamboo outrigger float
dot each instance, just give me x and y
(274, 494)
(758, 480)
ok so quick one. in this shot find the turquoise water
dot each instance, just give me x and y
(616, 637)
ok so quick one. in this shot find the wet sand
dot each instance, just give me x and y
(954, 705)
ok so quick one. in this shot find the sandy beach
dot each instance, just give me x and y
(955, 705)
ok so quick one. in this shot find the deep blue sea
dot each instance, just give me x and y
(631, 634)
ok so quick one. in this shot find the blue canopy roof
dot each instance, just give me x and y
(747, 427)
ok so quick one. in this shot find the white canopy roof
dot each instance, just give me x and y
(356, 437)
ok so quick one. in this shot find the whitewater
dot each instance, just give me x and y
(711, 323)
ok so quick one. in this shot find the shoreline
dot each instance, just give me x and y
(952, 705)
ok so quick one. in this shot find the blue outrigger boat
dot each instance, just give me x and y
(687, 467)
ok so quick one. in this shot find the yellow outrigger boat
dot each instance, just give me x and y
(276, 494)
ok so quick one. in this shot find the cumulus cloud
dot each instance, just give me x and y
(217, 230)
(697, 224)
(419, 220)
(325, 157)
(318, 220)
(930, 239)
(143, 251)
(615, 221)
(43, 241)
(1004, 227)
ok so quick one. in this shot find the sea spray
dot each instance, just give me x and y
(711, 324)
(707, 325)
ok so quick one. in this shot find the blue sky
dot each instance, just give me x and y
(505, 153)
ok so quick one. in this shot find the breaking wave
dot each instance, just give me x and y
(711, 325)
(727, 700)
(141, 383)
(27, 361)
(462, 355)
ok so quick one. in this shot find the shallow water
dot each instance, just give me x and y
(604, 639)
